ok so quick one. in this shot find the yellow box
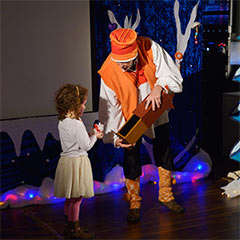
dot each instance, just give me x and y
(143, 118)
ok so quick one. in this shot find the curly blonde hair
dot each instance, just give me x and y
(68, 98)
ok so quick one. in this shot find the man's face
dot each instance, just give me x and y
(128, 66)
(125, 66)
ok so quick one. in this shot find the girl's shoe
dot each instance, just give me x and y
(67, 230)
(75, 232)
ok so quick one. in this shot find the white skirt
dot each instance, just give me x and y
(73, 178)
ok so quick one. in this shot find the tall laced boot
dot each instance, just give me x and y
(133, 198)
(76, 232)
(165, 196)
(67, 229)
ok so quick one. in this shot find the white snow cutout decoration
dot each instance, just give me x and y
(188, 146)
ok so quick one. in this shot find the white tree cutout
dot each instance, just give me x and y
(182, 39)
(112, 19)
(127, 21)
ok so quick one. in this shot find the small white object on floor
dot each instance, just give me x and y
(234, 175)
(232, 189)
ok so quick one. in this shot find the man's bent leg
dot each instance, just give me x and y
(133, 198)
(165, 196)
(164, 161)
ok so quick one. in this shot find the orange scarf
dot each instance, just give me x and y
(124, 84)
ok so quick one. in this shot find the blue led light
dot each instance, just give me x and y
(199, 166)
(31, 195)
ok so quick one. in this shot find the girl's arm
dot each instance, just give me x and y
(84, 141)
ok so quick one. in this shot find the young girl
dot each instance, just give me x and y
(73, 178)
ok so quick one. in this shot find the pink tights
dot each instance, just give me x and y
(72, 208)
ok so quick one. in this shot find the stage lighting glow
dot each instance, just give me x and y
(10, 197)
(115, 185)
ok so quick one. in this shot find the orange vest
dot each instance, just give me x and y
(123, 83)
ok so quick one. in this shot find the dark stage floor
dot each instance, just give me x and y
(209, 214)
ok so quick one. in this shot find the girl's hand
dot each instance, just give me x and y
(91, 132)
(119, 143)
(99, 135)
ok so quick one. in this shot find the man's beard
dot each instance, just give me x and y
(133, 67)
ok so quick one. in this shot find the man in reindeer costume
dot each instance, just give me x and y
(138, 67)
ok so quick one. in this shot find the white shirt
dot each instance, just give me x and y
(110, 110)
(74, 138)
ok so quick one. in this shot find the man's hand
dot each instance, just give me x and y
(154, 97)
(119, 143)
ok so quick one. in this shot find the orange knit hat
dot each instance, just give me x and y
(123, 44)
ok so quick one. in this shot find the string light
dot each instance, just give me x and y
(222, 44)
(195, 36)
